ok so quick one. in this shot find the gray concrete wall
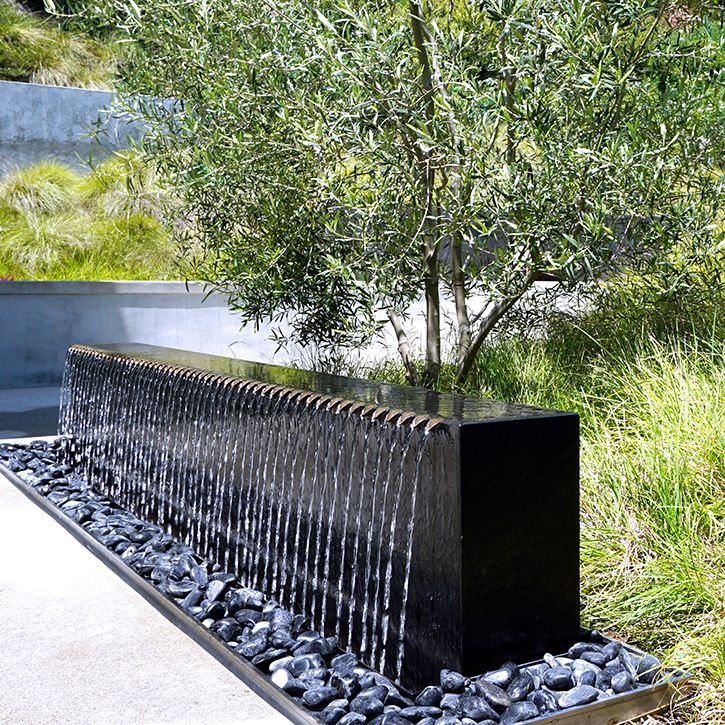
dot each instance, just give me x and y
(40, 320)
(39, 122)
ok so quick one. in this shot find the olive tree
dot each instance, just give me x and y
(340, 160)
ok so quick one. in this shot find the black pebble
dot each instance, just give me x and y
(580, 695)
(496, 696)
(475, 707)
(519, 712)
(255, 645)
(317, 697)
(418, 712)
(545, 702)
(520, 687)
(430, 695)
(331, 714)
(558, 678)
(352, 718)
(622, 682)
(370, 707)
(452, 681)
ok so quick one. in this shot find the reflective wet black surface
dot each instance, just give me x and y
(457, 408)
(419, 543)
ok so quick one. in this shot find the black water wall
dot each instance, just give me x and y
(425, 530)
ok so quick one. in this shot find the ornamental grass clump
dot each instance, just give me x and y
(58, 224)
(37, 50)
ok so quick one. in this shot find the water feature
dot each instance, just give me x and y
(421, 529)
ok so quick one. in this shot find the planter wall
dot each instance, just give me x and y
(39, 123)
(40, 320)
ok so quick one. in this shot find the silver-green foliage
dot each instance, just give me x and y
(342, 159)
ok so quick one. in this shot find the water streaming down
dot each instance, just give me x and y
(234, 466)
(444, 536)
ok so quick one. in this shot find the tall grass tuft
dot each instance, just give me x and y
(38, 50)
(57, 224)
(44, 188)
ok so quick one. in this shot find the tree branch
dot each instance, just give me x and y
(430, 237)
(440, 87)
(499, 309)
(411, 373)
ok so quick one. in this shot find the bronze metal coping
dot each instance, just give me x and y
(304, 397)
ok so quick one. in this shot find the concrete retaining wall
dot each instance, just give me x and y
(40, 320)
(39, 122)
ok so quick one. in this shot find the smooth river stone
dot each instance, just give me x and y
(648, 667)
(596, 658)
(430, 695)
(449, 701)
(254, 646)
(580, 695)
(558, 678)
(302, 663)
(352, 718)
(452, 681)
(346, 682)
(344, 661)
(316, 698)
(521, 686)
(544, 700)
(283, 679)
(622, 682)
(379, 692)
(215, 590)
(501, 677)
(496, 696)
(370, 707)
(331, 714)
(475, 707)
(418, 712)
(611, 650)
(519, 712)
(390, 718)
(578, 649)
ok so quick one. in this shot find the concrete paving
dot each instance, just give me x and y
(78, 646)
(29, 411)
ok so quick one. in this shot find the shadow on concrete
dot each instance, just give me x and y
(26, 412)
(38, 422)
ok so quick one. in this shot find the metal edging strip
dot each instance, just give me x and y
(247, 673)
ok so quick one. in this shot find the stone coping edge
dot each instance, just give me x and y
(105, 287)
(246, 672)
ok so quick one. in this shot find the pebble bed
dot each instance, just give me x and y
(331, 685)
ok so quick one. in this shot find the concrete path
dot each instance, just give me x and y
(28, 411)
(78, 646)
